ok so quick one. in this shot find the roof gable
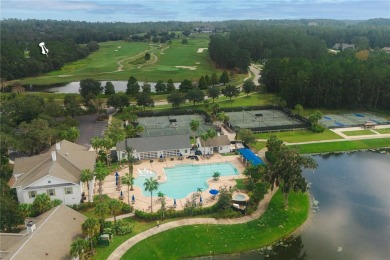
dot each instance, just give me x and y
(71, 159)
(222, 140)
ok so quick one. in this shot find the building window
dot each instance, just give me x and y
(185, 151)
(32, 194)
(51, 192)
(220, 148)
(68, 190)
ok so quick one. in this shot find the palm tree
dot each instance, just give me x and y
(90, 228)
(115, 208)
(102, 211)
(86, 176)
(78, 247)
(131, 161)
(128, 180)
(101, 173)
(151, 185)
(194, 125)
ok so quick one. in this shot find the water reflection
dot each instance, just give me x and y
(353, 220)
(73, 87)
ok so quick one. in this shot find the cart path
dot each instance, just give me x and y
(122, 249)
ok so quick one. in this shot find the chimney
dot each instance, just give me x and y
(53, 156)
(30, 227)
(58, 146)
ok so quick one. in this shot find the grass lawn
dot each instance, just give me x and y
(241, 184)
(300, 136)
(104, 252)
(118, 60)
(345, 145)
(258, 145)
(198, 240)
(383, 131)
(358, 132)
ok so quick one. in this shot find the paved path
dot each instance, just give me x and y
(121, 250)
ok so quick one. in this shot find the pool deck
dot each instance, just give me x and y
(143, 203)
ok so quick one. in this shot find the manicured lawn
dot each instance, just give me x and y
(301, 136)
(241, 184)
(383, 131)
(104, 252)
(118, 61)
(358, 132)
(198, 240)
(258, 145)
(344, 145)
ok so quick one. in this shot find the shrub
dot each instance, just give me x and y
(122, 227)
(126, 208)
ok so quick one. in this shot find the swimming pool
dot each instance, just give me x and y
(184, 179)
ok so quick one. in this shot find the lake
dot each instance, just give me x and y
(73, 87)
(352, 220)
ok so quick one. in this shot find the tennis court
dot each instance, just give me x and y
(266, 119)
(171, 125)
(347, 120)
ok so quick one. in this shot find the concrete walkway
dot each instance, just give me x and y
(121, 250)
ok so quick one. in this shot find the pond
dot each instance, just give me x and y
(352, 216)
(73, 87)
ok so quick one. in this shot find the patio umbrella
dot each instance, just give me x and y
(214, 192)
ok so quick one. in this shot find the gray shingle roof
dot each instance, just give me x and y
(217, 141)
(156, 143)
(71, 159)
(55, 231)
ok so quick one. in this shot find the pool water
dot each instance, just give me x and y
(184, 179)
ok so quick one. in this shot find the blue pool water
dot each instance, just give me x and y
(184, 179)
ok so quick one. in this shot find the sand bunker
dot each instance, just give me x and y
(200, 50)
(197, 62)
(186, 67)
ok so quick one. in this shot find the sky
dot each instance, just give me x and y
(191, 10)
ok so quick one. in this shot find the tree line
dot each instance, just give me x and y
(349, 79)
(254, 41)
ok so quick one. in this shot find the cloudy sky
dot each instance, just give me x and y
(192, 10)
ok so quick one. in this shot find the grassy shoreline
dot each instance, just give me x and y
(199, 240)
(344, 146)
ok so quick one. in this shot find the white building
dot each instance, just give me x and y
(56, 172)
(220, 144)
(155, 147)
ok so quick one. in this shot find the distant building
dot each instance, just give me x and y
(220, 144)
(343, 46)
(56, 172)
(47, 236)
(386, 49)
(155, 147)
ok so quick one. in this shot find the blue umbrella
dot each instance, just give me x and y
(132, 198)
(214, 192)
